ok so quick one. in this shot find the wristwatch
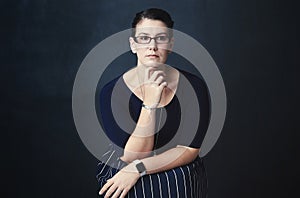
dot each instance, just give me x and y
(140, 167)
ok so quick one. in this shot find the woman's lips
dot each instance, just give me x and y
(152, 56)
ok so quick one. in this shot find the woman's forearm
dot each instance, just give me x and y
(169, 159)
(140, 143)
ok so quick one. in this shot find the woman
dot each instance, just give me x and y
(149, 165)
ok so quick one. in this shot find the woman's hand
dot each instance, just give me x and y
(153, 87)
(121, 183)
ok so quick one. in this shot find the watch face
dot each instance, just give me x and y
(140, 167)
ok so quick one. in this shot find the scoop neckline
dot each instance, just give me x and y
(171, 101)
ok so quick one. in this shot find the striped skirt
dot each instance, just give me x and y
(188, 181)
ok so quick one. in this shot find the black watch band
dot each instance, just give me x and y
(140, 167)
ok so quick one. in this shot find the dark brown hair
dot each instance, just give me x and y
(155, 14)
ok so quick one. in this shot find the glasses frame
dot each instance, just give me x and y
(154, 38)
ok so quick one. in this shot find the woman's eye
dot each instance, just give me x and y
(162, 38)
(145, 38)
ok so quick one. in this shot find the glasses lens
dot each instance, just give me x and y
(162, 39)
(147, 39)
(142, 39)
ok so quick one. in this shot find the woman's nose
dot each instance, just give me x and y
(152, 45)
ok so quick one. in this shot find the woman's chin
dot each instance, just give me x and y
(153, 64)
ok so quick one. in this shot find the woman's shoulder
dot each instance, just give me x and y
(108, 86)
(197, 82)
(192, 78)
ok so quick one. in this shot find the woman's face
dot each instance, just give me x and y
(154, 53)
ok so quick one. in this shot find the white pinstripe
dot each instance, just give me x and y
(106, 162)
(110, 172)
(151, 186)
(169, 191)
(176, 182)
(134, 191)
(160, 192)
(143, 187)
(107, 174)
(196, 186)
(184, 182)
(119, 163)
(106, 153)
(190, 180)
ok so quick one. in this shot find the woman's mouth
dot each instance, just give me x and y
(152, 56)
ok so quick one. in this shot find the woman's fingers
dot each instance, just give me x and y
(117, 193)
(106, 186)
(151, 74)
(148, 73)
(120, 193)
(110, 191)
(156, 74)
(153, 87)
(163, 85)
(124, 193)
(120, 184)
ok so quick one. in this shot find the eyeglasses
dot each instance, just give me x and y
(163, 39)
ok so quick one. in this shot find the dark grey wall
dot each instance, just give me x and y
(254, 43)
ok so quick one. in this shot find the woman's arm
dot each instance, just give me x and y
(169, 159)
(123, 181)
(141, 141)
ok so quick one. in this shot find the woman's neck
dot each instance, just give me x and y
(141, 70)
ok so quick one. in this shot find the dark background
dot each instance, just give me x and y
(254, 43)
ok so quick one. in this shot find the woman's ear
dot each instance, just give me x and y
(132, 45)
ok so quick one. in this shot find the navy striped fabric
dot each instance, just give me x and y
(188, 181)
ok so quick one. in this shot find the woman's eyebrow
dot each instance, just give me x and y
(143, 33)
(162, 33)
